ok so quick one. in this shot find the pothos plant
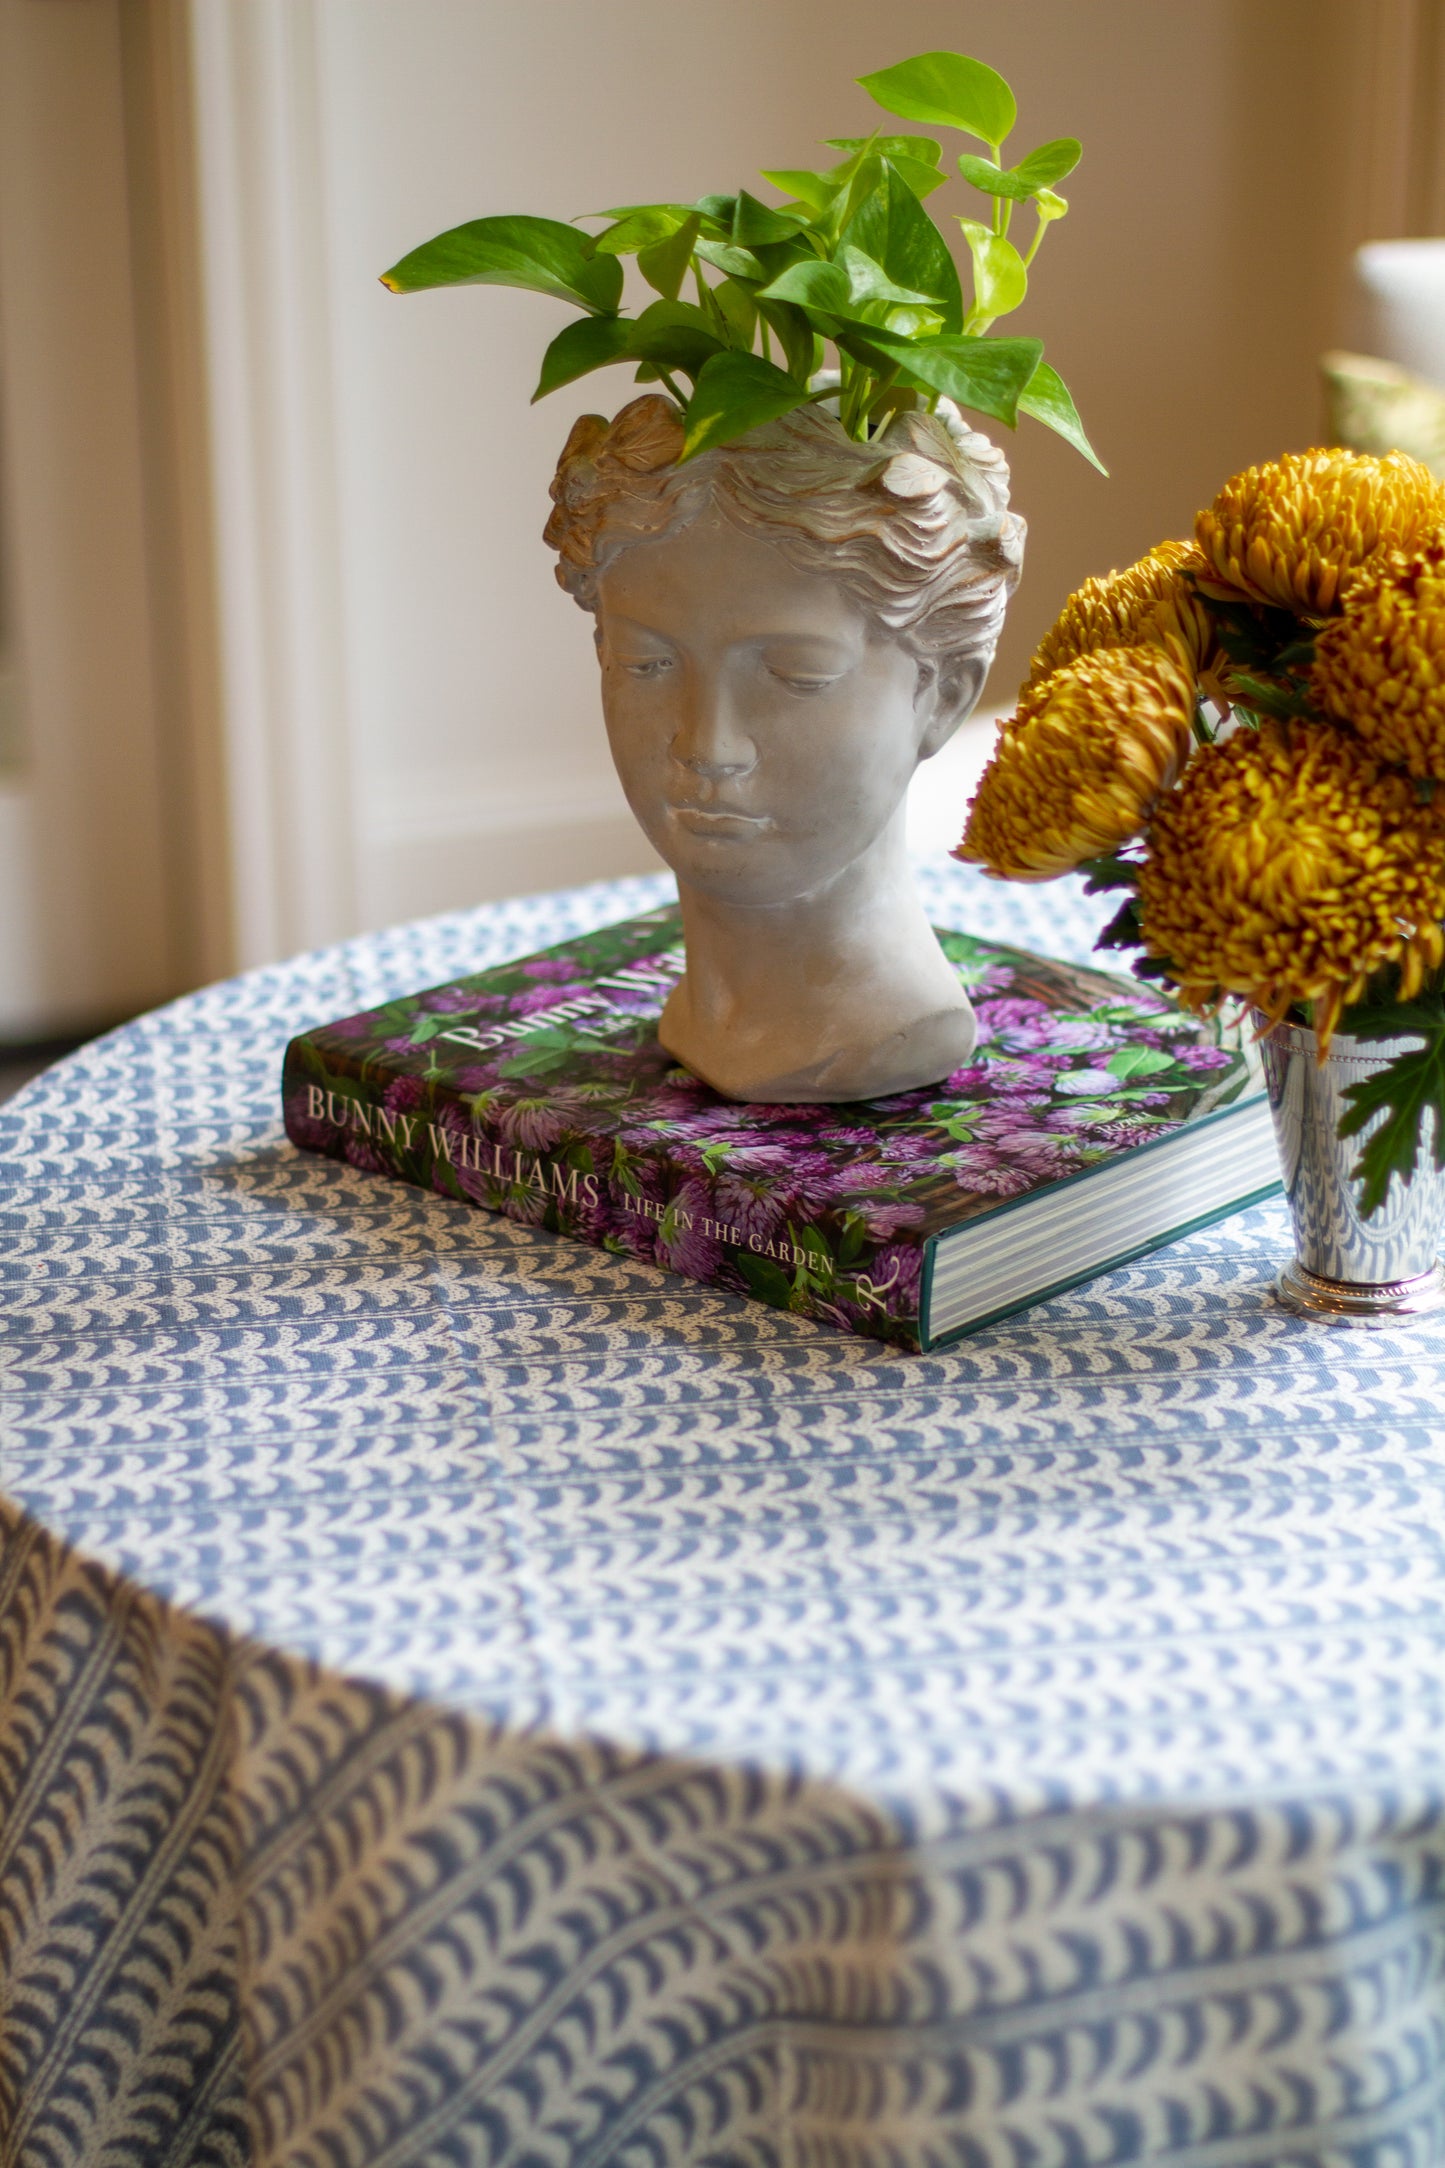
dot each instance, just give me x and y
(751, 296)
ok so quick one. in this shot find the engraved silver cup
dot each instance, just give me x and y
(1349, 1270)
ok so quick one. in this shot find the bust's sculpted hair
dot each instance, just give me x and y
(914, 525)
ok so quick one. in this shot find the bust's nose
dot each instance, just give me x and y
(711, 736)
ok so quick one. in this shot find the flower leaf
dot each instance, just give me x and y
(1110, 871)
(1285, 702)
(1402, 1095)
(1046, 397)
(947, 89)
(589, 343)
(540, 255)
(1124, 929)
(735, 393)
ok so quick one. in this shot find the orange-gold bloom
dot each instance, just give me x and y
(1288, 866)
(1292, 533)
(1151, 601)
(1380, 665)
(1077, 775)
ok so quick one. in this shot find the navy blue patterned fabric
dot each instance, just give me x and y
(465, 1698)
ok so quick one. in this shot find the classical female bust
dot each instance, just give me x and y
(787, 626)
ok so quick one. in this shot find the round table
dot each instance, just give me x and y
(467, 1698)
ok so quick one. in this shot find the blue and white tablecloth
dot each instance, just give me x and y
(468, 1699)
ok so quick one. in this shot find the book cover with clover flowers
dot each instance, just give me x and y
(1093, 1121)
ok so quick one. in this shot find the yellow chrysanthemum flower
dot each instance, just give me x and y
(1380, 665)
(1288, 866)
(1146, 602)
(1291, 533)
(1077, 775)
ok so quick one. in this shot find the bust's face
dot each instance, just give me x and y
(764, 732)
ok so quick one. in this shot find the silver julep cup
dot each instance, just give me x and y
(1349, 1270)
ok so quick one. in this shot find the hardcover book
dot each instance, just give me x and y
(1093, 1121)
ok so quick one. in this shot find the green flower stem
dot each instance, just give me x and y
(881, 387)
(853, 411)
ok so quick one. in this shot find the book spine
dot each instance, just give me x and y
(424, 1133)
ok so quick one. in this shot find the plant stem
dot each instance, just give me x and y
(680, 397)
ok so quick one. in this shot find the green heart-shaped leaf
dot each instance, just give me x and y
(814, 285)
(1050, 162)
(817, 190)
(738, 263)
(754, 224)
(642, 228)
(673, 335)
(947, 89)
(1000, 276)
(590, 343)
(892, 227)
(988, 375)
(664, 264)
(1046, 397)
(868, 281)
(735, 393)
(993, 180)
(540, 255)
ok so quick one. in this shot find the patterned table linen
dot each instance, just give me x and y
(468, 1699)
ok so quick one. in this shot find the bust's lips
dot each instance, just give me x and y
(713, 820)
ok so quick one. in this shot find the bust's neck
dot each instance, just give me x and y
(836, 995)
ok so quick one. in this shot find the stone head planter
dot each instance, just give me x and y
(787, 626)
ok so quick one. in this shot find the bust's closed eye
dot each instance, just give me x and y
(804, 669)
(801, 683)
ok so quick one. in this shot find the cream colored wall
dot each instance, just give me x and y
(1185, 299)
